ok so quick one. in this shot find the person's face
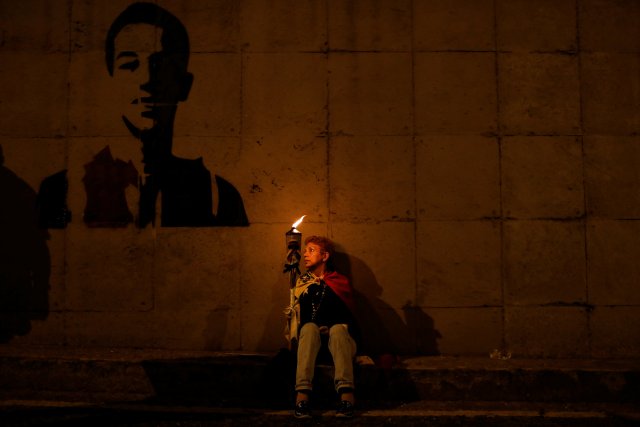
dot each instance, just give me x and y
(148, 78)
(314, 256)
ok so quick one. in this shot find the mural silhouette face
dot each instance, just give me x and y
(136, 58)
(147, 54)
(152, 82)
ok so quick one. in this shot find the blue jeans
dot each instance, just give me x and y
(342, 348)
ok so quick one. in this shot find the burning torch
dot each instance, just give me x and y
(294, 239)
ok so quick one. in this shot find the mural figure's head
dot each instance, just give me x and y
(147, 52)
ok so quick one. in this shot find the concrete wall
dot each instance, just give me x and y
(476, 162)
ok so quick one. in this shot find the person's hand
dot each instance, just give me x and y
(324, 330)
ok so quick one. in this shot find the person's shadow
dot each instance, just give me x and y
(383, 331)
(25, 264)
(385, 336)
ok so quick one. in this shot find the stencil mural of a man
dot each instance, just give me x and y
(147, 54)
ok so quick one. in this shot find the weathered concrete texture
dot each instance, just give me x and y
(370, 93)
(27, 96)
(611, 98)
(455, 93)
(539, 93)
(544, 262)
(540, 26)
(611, 176)
(362, 25)
(466, 25)
(91, 289)
(542, 177)
(609, 26)
(372, 178)
(284, 94)
(282, 178)
(179, 329)
(457, 177)
(615, 330)
(189, 274)
(283, 26)
(613, 248)
(477, 329)
(475, 162)
(458, 263)
(37, 26)
(551, 332)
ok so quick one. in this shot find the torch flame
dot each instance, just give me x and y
(297, 223)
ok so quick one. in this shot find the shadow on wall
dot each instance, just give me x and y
(273, 334)
(216, 329)
(25, 264)
(383, 331)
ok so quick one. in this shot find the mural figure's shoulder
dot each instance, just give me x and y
(185, 185)
(187, 197)
(231, 210)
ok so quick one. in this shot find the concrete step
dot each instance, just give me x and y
(15, 413)
(266, 380)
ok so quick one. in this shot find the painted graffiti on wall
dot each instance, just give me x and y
(147, 55)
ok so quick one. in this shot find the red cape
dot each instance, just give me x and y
(341, 286)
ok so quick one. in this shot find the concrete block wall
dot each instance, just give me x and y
(476, 162)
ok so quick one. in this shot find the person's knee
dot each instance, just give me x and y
(340, 339)
(309, 330)
(339, 335)
(339, 331)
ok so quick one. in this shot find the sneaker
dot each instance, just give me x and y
(302, 410)
(345, 409)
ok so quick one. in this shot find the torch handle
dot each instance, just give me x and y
(293, 262)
